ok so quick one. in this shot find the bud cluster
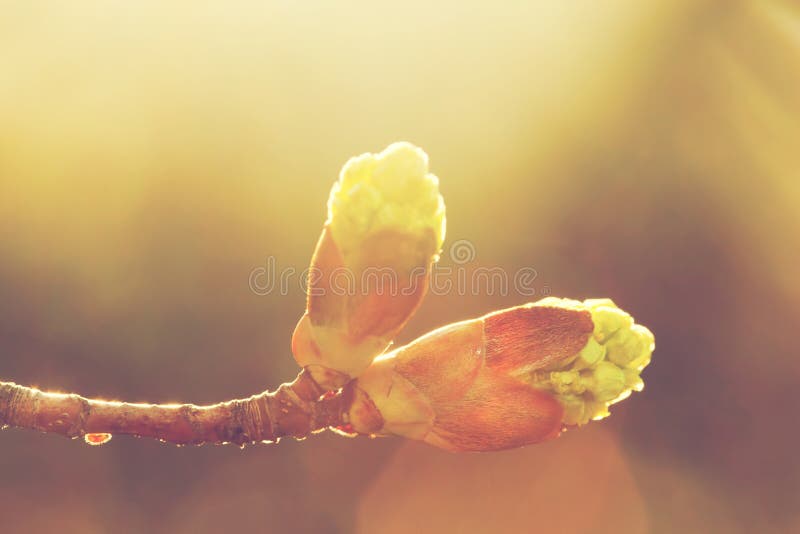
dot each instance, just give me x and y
(606, 370)
(510, 378)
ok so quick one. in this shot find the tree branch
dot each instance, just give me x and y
(296, 409)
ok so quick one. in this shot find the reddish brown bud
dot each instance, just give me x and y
(490, 383)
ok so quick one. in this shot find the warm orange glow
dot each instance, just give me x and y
(97, 439)
(152, 154)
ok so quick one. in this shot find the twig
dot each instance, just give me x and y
(296, 409)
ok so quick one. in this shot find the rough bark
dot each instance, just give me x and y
(296, 409)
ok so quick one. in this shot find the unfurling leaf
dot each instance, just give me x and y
(386, 223)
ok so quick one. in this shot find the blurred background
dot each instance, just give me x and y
(152, 155)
